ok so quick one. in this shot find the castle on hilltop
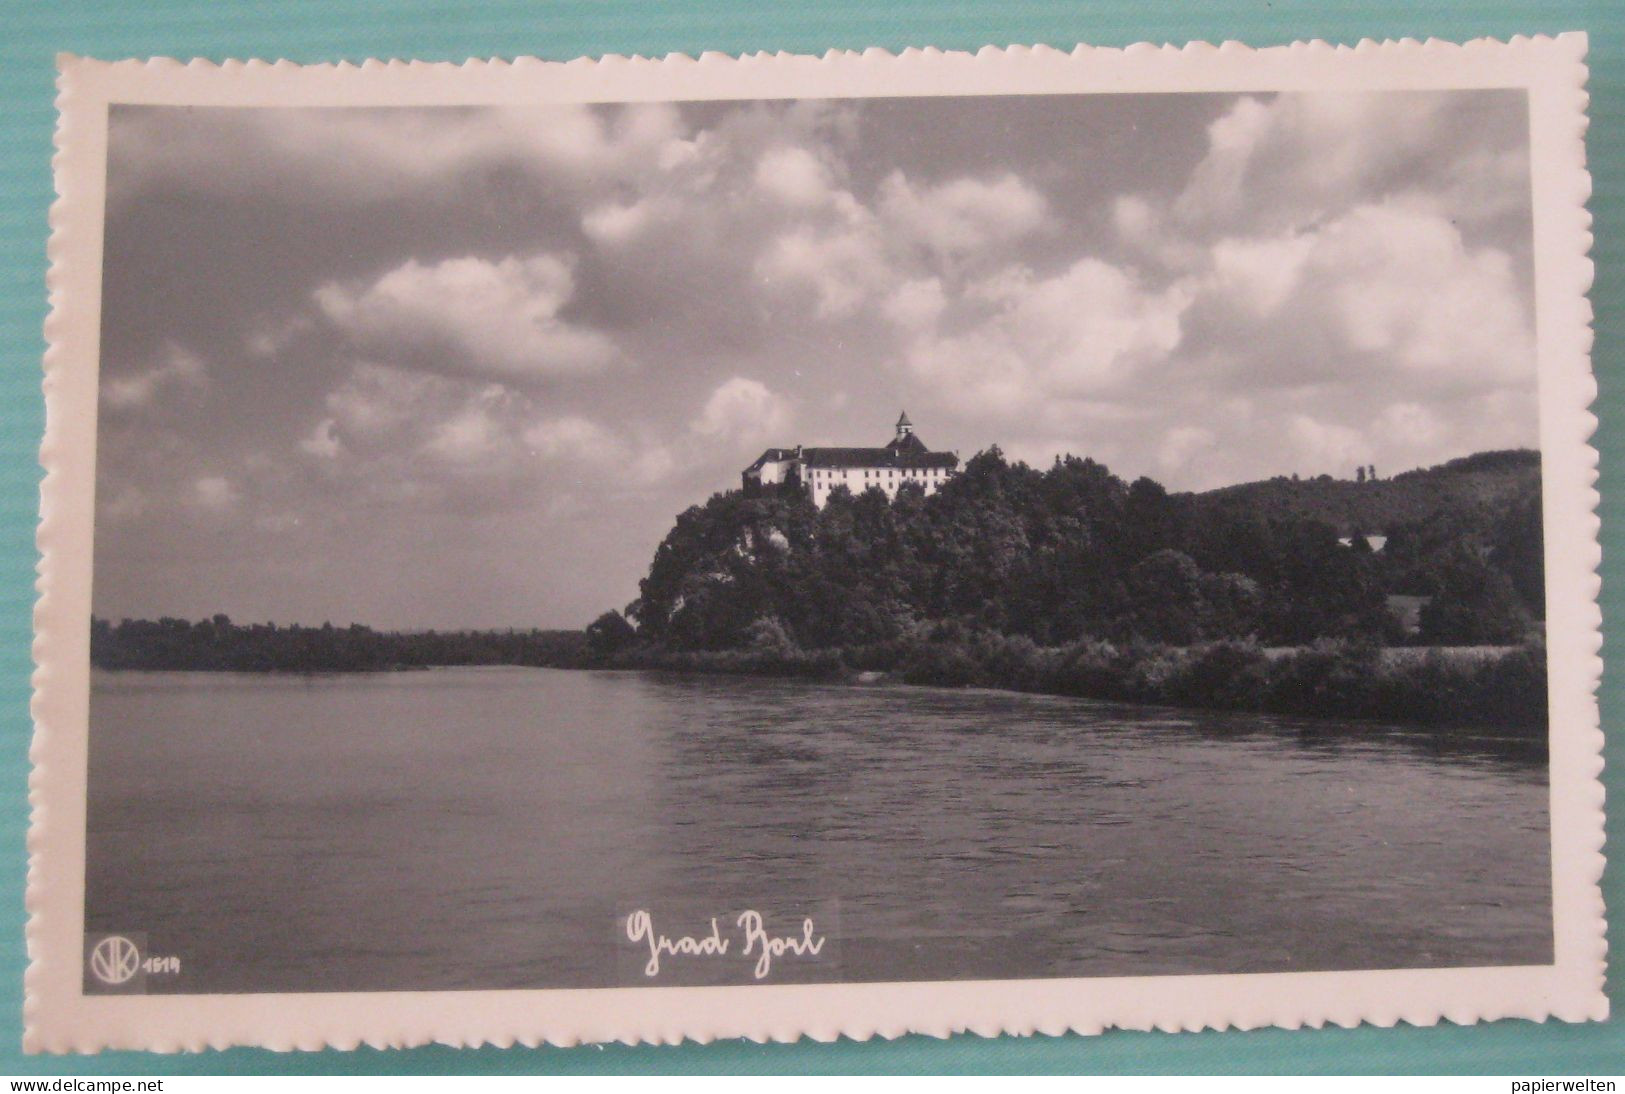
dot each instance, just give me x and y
(821, 470)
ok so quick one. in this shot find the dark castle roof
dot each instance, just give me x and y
(908, 452)
(772, 455)
(905, 451)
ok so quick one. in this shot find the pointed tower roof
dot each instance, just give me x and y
(902, 421)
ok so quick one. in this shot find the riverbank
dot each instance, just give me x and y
(1501, 691)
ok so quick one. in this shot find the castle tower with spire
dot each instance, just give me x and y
(820, 471)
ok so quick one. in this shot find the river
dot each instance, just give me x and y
(484, 828)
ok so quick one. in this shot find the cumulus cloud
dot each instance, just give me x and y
(1260, 273)
(1357, 266)
(916, 305)
(1088, 331)
(1284, 162)
(588, 447)
(742, 409)
(1407, 425)
(1405, 289)
(215, 492)
(1363, 257)
(176, 367)
(1385, 290)
(364, 157)
(500, 313)
(845, 267)
(576, 438)
(122, 504)
(852, 253)
(471, 315)
(384, 414)
(795, 177)
(1181, 444)
(1327, 444)
(323, 441)
(470, 436)
(614, 225)
(963, 214)
(654, 464)
(376, 404)
(396, 435)
(269, 340)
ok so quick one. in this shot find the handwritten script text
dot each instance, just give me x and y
(752, 931)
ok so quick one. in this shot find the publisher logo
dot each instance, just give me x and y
(122, 963)
(115, 960)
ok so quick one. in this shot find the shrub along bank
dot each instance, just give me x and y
(1505, 694)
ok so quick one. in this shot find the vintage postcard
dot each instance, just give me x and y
(786, 546)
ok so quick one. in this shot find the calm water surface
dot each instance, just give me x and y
(481, 827)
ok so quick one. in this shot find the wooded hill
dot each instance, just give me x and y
(1469, 490)
(1073, 552)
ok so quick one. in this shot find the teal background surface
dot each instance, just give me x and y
(31, 34)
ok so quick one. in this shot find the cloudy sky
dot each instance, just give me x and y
(461, 367)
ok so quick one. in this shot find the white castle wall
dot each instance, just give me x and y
(822, 480)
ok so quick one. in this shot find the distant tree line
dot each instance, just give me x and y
(220, 645)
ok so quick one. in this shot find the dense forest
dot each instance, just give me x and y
(1471, 487)
(1068, 580)
(1073, 552)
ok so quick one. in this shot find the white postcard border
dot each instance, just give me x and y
(59, 1018)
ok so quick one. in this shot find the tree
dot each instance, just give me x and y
(1166, 590)
(609, 633)
(1232, 606)
(1475, 605)
(1519, 551)
(767, 635)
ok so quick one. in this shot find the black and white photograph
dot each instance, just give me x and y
(848, 540)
